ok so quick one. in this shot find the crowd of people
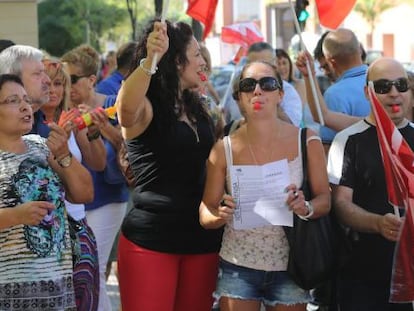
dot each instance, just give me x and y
(213, 189)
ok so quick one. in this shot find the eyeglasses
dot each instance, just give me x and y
(52, 64)
(74, 78)
(15, 100)
(267, 84)
(383, 86)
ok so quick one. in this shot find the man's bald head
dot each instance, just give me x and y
(341, 43)
(385, 68)
(387, 75)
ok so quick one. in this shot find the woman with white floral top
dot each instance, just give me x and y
(254, 258)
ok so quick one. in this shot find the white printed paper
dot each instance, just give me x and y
(259, 193)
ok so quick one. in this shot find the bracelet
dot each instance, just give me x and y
(93, 136)
(309, 206)
(148, 72)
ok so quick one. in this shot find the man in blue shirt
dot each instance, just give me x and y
(343, 53)
(124, 56)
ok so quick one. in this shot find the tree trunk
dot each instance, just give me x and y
(158, 7)
(370, 40)
(370, 36)
(132, 11)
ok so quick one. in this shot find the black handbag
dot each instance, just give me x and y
(311, 242)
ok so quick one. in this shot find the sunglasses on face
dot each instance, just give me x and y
(74, 78)
(15, 100)
(267, 84)
(383, 86)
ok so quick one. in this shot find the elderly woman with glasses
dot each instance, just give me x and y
(93, 154)
(36, 176)
(106, 212)
(254, 251)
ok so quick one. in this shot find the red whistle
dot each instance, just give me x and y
(203, 77)
(257, 106)
(395, 108)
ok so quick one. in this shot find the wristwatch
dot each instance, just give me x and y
(65, 161)
(309, 206)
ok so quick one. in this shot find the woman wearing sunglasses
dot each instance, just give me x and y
(106, 212)
(253, 259)
(93, 154)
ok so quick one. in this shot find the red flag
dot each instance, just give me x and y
(333, 12)
(203, 11)
(398, 160)
(243, 34)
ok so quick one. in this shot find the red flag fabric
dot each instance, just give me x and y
(203, 11)
(243, 34)
(398, 160)
(333, 12)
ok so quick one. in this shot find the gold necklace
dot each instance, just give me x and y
(251, 150)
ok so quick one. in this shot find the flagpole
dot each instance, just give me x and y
(163, 15)
(311, 77)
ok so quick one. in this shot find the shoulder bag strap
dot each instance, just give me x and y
(229, 161)
(304, 153)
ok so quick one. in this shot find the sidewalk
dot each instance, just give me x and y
(113, 291)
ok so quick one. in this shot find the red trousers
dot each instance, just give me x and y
(156, 281)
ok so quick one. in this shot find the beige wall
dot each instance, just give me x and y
(18, 21)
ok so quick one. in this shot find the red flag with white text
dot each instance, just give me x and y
(333, 12)
(398, 160)
(203, 11)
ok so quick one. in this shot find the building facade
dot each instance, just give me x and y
(18, 21)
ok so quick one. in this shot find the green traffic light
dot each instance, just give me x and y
(303, 16)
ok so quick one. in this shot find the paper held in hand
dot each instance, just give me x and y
(260, 196)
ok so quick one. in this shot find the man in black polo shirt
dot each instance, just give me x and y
(360, 195)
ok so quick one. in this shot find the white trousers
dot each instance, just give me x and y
(105, 222)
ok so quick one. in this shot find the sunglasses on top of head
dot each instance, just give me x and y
(383, 86)
(52, 64)
(74, 78)
(267, 84)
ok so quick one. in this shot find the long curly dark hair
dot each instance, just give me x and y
(164, 90)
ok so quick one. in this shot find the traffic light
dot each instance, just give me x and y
(301, 13)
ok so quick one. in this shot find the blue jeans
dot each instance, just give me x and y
(367, 296)
(270, 287)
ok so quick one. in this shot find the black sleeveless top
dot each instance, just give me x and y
(170, 173)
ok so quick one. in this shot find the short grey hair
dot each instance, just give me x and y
(341, 43)
(12, 57)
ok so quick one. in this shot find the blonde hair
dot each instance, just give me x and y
(54, 69)
(205, 53)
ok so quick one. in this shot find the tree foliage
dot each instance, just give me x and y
(64, 24)
(148, 10)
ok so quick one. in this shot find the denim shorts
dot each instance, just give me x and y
(271, 288)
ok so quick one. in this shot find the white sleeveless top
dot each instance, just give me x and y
(77, 211)
(265, 248)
